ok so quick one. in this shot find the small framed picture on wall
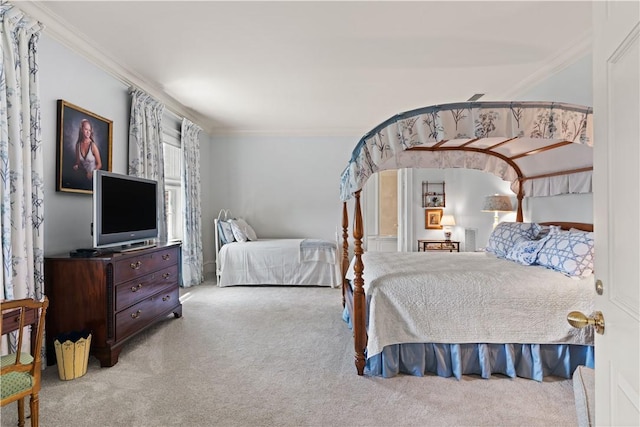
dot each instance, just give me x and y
(432, 218)
(84, 145)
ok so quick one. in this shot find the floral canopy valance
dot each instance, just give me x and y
(541, 148)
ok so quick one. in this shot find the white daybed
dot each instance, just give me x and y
(243, 259)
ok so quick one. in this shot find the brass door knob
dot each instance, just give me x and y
(579, 320)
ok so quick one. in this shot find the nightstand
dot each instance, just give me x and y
(438, 245)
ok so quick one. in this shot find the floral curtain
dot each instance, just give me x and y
(146, 158)
(537, 138)
(192, 264)
(21, 159)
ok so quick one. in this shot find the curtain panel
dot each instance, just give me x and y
(192, 263)
(21, 159)
(146, 159)
(22, 164)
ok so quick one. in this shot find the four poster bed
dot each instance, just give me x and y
(501, 311)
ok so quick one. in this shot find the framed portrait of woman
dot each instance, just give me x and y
(84, 145)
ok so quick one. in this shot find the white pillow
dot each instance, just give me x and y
(548, 230)
(242, 231)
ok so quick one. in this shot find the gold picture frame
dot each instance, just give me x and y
(72, 174)
(432, 218)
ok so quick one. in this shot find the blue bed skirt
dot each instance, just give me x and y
(533, 361)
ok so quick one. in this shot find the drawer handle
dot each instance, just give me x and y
(135, 265)
(166, 275)
(167, 298)
(136, 288)
(136, 314)
(166, 257)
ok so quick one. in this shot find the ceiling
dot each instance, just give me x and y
(319, 68)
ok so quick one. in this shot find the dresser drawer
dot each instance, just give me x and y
(135, 266)
(129, 293)
(132, 319)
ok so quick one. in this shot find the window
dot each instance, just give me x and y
(172, 193)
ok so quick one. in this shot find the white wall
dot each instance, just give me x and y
(465, 190)
(283, 186)
(208, 186)
(66, 75)
(571, 85)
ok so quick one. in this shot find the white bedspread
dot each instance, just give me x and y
(469, 297)
(318, 250)
(277, 262)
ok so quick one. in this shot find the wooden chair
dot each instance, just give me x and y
(20, 372)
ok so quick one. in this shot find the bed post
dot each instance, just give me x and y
(359, 331)
(519, 216)
(345, 250)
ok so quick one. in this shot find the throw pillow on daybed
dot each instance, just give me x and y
(242, 231)
(226, 232)
(507, 234)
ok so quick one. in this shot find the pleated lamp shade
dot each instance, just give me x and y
(497, 203)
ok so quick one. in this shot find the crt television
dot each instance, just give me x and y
(124, 209)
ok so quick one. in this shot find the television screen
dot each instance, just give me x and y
(124, 209)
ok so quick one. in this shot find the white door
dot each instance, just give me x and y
(380, 210)
(616, 95)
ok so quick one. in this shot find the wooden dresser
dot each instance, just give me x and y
(115, 296)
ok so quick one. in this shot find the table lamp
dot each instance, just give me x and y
(497, 203)
(447, 222)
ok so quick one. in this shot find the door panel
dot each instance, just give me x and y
(616, 75)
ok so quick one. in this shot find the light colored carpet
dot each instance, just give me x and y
(277, 356)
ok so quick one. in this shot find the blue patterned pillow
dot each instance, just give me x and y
(506, 234)
(225, 232)
(570, 253)
(525, 252)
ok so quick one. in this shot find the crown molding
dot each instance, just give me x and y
(69, 37)
(554, 64)
(285, 133)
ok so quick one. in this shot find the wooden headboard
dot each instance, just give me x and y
(568, 225)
